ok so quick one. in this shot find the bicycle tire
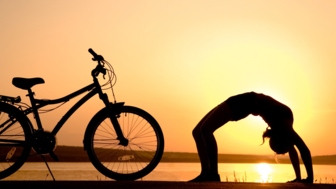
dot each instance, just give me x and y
(140, 157)
(13, 154)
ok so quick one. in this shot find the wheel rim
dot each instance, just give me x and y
(13, 151)
(132, 159)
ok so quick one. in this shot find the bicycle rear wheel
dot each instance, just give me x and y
(130, 162)
(14, 133)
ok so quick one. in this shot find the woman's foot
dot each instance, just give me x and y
(207, 178)
(199, 178)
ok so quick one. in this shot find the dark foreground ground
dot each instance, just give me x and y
(153, 185)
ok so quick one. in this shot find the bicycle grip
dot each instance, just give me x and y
(94, 54)
(96, 57)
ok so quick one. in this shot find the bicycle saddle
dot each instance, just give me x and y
(25, 83)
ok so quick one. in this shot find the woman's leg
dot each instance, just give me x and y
(201, 146)
(205, 140)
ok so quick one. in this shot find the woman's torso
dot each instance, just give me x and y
(272, 111)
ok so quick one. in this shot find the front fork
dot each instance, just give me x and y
(113, 117)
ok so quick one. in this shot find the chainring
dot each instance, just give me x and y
(44, 142)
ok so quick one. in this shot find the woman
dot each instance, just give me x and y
(282, 136)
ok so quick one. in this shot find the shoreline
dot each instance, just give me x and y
(77, 154)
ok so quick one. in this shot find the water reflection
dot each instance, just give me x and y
(245, 172)
(264, 171)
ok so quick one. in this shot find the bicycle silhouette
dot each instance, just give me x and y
(122, 142)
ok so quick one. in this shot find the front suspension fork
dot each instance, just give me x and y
(113, 113)
(122, 140)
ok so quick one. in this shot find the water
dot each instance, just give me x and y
(231, 172)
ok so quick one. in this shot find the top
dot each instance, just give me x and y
(271, 110)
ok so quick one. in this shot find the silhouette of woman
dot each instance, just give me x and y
(280, 131)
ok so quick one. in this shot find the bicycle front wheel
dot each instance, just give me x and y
(130, 162)
(14, 133)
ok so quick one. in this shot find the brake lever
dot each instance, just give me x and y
(99, 69)
(104, 72)
(98, 58)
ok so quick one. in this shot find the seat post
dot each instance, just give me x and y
(36, 115)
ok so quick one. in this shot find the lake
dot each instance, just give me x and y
(229, 172)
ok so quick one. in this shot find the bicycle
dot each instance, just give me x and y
(122, 142)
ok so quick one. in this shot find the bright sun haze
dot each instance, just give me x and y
(264, 171)
(179, 59)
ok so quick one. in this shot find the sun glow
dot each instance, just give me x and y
(264, 171)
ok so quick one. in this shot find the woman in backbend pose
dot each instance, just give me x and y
(280, 131)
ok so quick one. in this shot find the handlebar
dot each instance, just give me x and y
(96, 57)
(100, 67)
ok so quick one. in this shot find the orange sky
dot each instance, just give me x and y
(179, 59)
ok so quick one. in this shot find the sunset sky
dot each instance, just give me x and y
(177, 59)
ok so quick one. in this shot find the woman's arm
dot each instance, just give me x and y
(293, 155)
(305, 156)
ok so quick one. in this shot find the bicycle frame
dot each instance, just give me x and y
(94, 89)
(41, 103)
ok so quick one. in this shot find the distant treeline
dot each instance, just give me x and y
(77, 154)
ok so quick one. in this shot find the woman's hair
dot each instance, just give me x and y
(278, 141)
(280, 144)
(267, 134)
